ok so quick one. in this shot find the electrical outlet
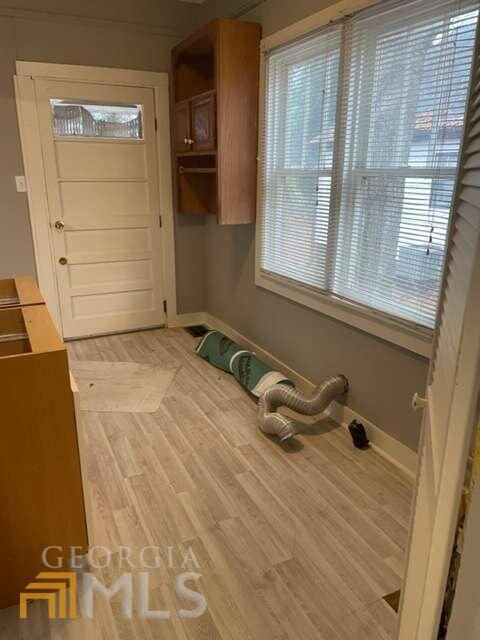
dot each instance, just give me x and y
(21, 184)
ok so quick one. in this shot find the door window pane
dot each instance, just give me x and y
(96, 120)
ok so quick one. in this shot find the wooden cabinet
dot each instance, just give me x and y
(182, 126)
(203, 124)
(41, 494)
(19, 291)
(215, 114)
(195, 124)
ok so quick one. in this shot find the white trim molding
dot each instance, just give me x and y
(95, 75)
(34, 164)
(385, 445)
(418, 341)
(162, 116)
(315, 21)
(393, 450)
(404, 334)
(188, 319)
(37, 193)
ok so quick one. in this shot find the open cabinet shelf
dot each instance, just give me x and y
(197, 184)
(19, 291)
(215, 114)
(14, 338)
(196, 170)
(194, 60)
(192, 154)
(197, 193)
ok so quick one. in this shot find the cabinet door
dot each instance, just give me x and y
(182, 126)
(203, 122)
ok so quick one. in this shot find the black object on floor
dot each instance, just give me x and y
(197, 330)
(359, 435)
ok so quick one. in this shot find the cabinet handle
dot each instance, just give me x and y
(191, 141)
(186, 141)
(62, 260)
(60, 225)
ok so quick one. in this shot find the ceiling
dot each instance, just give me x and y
(201, 11)
(174, 16)
(228, 8)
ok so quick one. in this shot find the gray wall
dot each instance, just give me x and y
(90, 38)
(16, 254)
(383, 377)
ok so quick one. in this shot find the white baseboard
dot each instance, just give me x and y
(390, 448)
(187, 319)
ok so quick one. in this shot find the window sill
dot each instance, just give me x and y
(416, 340)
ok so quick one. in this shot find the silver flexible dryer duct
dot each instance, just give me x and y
(280, 395)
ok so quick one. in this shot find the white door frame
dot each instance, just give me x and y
(421, 617)
(29, 128)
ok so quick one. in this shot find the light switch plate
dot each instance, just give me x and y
(21, 184)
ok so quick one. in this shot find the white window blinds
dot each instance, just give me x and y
(301, 111)
(363, 127)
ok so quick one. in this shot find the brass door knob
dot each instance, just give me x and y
(63, 260)
(59, 224)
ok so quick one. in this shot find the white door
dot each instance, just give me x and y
(450, 412)
(99, 152)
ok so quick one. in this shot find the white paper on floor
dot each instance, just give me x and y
(121, 386)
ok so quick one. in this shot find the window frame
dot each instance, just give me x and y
(405, 334)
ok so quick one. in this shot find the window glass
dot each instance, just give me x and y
(302, 110)
(409, 81)
(96, 120)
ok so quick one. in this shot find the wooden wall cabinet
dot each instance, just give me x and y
(41, 493)
(182, 126)
(203, 122)
(195, 124)
(215, 114)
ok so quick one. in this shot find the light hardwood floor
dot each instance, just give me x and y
(294, 543)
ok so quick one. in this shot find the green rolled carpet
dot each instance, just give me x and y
(253, 374)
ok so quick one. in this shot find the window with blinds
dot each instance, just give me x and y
(301, 111)
(362, 131)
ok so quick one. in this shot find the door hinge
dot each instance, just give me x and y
(165, 306)
(160, 221)
(156, 124)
